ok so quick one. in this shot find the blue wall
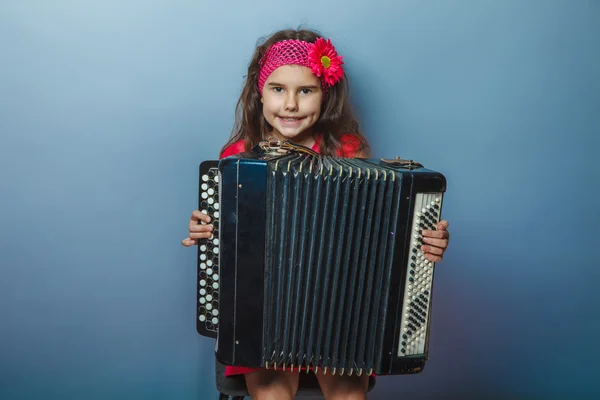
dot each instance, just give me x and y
(108, 107)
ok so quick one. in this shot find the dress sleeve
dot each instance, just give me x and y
(350, 146)
(234, 148)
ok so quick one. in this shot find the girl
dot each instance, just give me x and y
(296, 89)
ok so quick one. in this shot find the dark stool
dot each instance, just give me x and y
(234, 387)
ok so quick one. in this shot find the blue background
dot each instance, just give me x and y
(108, 107)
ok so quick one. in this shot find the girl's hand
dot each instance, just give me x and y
(197, 229)
(436, 242)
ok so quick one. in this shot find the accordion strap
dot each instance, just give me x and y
(286, 146)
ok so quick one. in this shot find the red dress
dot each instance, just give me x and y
(349, 149)
(350, 146)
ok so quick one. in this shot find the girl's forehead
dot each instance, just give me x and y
(294, 75)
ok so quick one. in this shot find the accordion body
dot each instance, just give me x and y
(315, 262)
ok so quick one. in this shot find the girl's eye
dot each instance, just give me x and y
(306, 91)
(278, 89)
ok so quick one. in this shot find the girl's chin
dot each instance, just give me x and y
(294, 135)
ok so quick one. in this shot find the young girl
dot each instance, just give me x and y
(296, 89)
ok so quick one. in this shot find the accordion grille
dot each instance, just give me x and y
(329, 255)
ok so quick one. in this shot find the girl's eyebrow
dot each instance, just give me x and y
(302, 87)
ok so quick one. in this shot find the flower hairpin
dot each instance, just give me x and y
(325, 62)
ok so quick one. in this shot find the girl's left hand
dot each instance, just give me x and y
(436, 242)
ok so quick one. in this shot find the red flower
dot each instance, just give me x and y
(325, 62)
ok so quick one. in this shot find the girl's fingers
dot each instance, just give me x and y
(432, 250)
(198, 215)
(433, 257)
(187, 242)
(441, 243)
(198, 218)
(201, 235)
(198, 228)
(436, 234)
(201, 228)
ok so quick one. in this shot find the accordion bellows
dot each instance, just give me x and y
(315, 262)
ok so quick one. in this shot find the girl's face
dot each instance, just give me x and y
(292, 98)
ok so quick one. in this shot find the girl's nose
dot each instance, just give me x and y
(291, 104)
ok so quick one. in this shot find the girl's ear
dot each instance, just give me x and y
(262, 100)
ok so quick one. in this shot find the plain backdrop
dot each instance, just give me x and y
(108, 107)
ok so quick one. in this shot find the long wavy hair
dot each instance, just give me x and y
(337, 117)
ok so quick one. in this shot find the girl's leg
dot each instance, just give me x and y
(272, 385)
(335, 387)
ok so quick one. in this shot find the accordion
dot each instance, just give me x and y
(315, 261)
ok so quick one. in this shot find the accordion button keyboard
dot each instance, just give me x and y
(208, 274)
(418, 284)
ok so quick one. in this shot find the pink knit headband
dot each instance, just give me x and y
(320, 57)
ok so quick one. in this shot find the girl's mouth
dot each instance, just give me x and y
(290, 118)
(290, 121)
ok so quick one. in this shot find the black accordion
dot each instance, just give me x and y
(315, 261)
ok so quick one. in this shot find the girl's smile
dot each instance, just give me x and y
(290, 122)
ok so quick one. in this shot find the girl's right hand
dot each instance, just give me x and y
(197, 229)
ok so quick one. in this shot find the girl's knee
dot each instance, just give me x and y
(272, 385)
(344, 387)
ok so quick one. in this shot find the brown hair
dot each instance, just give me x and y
(337, 117)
